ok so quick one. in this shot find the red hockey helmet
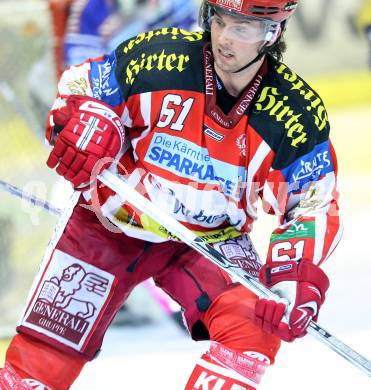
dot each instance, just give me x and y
(275, 10)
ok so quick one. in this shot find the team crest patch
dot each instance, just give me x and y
(68, 300)
(232, 4)
(241, 144)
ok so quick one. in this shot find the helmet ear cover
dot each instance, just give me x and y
(276, 35)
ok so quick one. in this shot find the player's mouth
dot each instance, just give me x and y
(225, 54)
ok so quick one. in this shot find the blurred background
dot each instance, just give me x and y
(329, 44)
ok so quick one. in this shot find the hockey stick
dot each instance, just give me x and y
(13, 190)
(174, 227)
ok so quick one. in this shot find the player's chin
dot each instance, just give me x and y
(227, 66)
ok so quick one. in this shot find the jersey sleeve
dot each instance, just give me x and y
(146, 63)
(95, 78)
(304, 196)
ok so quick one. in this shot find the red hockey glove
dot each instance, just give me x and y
(88, 131)
(303, 285)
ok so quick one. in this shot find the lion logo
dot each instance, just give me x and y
(71, 291)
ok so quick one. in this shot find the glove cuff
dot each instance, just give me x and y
(303, 271)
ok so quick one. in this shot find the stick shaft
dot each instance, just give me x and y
(13, 190)
(339, 347)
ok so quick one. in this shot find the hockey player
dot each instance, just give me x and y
(203, 124)
(85, 29)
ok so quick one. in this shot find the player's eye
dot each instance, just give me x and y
(241, 29)
(218, 21)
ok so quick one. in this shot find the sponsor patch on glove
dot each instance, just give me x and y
(281, 268)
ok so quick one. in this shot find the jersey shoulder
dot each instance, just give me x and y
(289, 115)
(163, 59)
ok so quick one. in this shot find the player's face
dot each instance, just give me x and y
(234, 42)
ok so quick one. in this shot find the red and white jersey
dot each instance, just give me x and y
(208, 169)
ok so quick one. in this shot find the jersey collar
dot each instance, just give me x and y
(241, 107)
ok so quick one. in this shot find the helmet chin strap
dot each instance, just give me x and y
(262, 52)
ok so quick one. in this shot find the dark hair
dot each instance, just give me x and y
(279, 47)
